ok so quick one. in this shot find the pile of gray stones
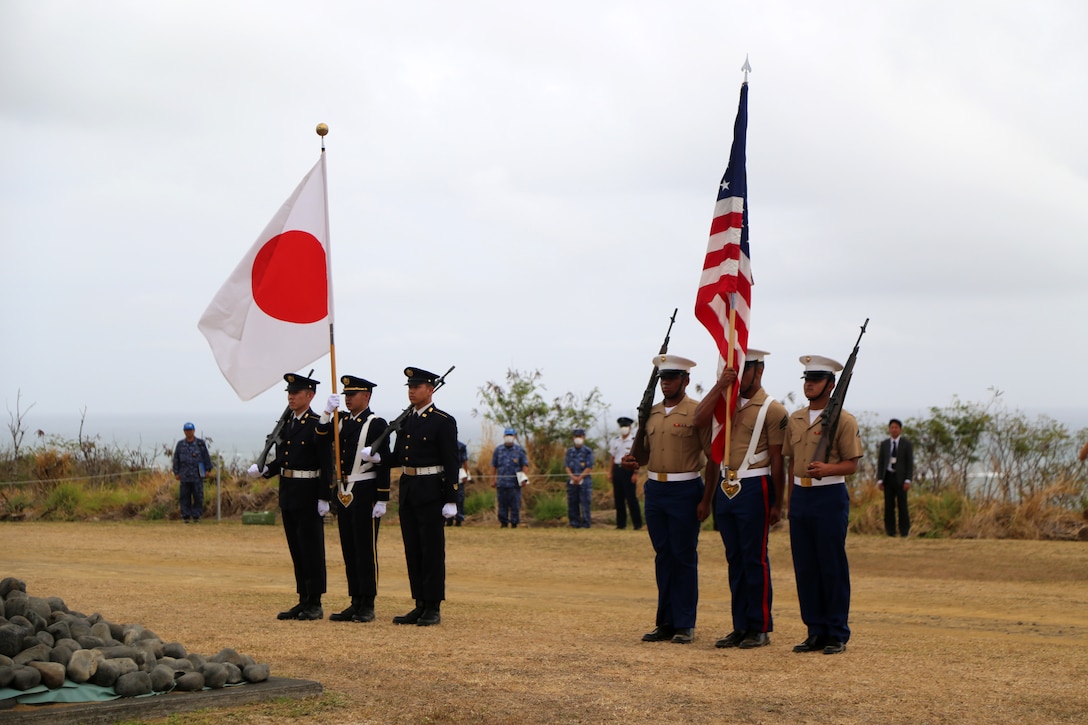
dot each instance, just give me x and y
(42, 642)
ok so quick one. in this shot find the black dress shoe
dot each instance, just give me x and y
(730, 640)
(291, 613)
(834, 647)
(410, 618)
(684, 635)
(814, 643)
(312, 612)
(429, 617)
(754, 639)
(661, 633)
(346, 615)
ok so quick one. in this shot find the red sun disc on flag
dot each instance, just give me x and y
(289, 278)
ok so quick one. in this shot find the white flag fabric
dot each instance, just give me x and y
(272, 315)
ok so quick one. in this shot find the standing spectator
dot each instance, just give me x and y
(192, 464)
(895, 469)
(624, 486)
(579, 464)
(362, 495)
(426, 450)
(463, 478)
(677, 454)
(507, 462)
(303, 461)
(819, 507)
(747, 504)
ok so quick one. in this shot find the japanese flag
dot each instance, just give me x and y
(272, 315)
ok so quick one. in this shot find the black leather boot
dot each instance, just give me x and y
(411, 617)
(365, 610)
(430, 614)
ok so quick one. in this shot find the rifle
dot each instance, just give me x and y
(275, 438)
(648, 394)
(396, 423)
(830, 417)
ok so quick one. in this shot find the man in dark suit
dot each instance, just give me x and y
(895, 469)
(426, 451)
(361, 496)
(303, 462)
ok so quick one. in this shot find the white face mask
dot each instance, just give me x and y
(625, 430)
(579, 441)
(508, 440)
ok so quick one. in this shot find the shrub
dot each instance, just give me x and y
(941, 513)
(478, 501)
(65, 500)
(551, 507)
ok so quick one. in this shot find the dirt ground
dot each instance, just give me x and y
(543, 625)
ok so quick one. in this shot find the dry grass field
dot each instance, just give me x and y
(543, 625)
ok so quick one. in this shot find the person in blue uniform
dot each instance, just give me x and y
(624, 486)
(303, 462)
(746, 505)
(426, 451)
(819, 511)
(508, 460)
(579, 465)
(361, 495)
(676, 452)
(192, 464)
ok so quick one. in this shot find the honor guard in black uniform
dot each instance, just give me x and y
(426, 450)
(303, 463)
(361, 495)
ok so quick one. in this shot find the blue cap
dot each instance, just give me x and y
(188, 426)
(509, 432)
(579, 432)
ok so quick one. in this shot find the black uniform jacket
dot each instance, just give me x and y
(350, 428)
(430, 439)
(307, 446)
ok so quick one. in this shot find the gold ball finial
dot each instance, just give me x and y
(322, 129)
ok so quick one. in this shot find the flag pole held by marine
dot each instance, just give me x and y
(723, 300)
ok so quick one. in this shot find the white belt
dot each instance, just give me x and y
(361, 477)
(754, 472)
(673, 476)
(825, 481)
(425, 471)
(288, 473)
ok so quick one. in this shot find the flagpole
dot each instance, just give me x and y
(322, 131)
(732, 475)
(730, 360)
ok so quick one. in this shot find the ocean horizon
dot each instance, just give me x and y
(240, 437)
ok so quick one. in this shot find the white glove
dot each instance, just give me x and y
(370, 456)
(379, 509)
(449, 510)
(322, 507)
(462, 475)
(332, 404)
(522, 478)
(254, 472)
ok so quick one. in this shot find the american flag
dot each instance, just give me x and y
(726, 281)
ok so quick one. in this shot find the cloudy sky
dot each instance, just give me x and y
(529, 185)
